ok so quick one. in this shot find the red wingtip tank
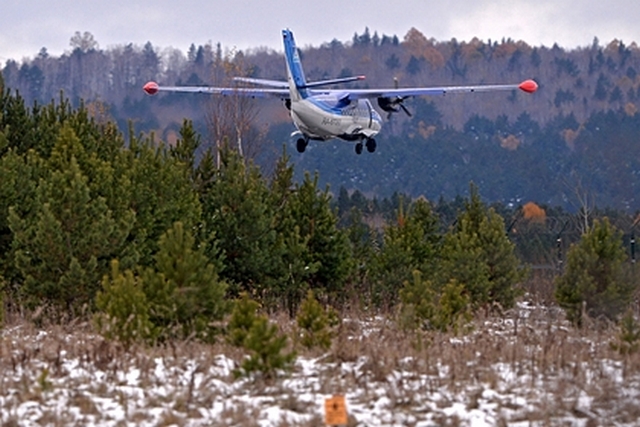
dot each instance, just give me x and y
(528, 86)
(151, 88)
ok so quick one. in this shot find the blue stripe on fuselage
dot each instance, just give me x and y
(329, 105)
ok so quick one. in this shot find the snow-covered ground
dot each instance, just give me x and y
(520, 372)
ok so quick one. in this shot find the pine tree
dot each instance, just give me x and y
(393, 265)
(595, 276)
(267, 348)
(124, 309)
(159, 192)
(409, 245)
(325, 251)
(243, 316)
(237, 208)
(417, 297)
(363, 250)
(19, 177)
(185, 148)
(479, 256)
(253, 332)
(426, 306)
(315, 323)
(297, 269)
(293, 268)
(17, 124)
(453, 307)
(62, 246)
(281, 185)
(72, 198)
(186, 297)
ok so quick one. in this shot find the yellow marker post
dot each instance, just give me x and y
(335, 411)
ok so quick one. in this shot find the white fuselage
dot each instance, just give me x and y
(322, 117)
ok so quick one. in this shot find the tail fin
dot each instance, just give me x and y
(297, 81)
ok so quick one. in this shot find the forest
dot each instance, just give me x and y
(577, 134)
(86, 209)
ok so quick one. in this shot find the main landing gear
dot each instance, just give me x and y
(370, 144)
(301, 145)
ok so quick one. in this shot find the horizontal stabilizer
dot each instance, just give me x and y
(333, 81)
(262, 82)
(284, 85)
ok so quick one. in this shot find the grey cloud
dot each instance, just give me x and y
(29, 25)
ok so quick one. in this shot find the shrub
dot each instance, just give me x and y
(253, 332)
(426, 307)
(267, 346)
(124, 308)
(628, 339)
(315, 323)
(243, 316)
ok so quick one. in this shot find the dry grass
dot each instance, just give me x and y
(529, 367)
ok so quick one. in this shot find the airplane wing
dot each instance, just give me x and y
(152, 88)
(528, 86)
(280, 89)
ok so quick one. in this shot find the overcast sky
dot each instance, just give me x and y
(28, 25)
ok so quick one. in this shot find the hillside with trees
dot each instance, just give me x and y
(577, 134)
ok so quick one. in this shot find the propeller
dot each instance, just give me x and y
(393, 105)
(401, 105)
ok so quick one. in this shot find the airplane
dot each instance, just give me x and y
(320, 114)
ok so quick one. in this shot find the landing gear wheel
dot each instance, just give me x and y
(371, 145)
(359, 148)
(301, 145)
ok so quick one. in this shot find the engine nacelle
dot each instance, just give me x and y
(392, 105)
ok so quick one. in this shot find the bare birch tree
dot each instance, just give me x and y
(232, 119)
